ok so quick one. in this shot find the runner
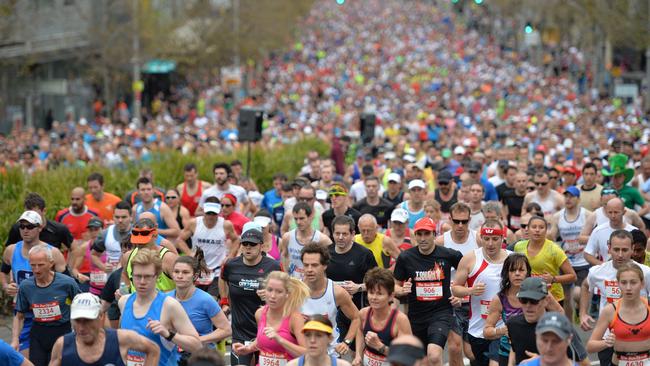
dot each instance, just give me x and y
(279, 322)
(165, 219)
(89, 277)
(625, 324)
(596, 250)
(428, 268)
(399, 232)
(373, 203)
(338, 194)
(221, 186)
(76, 216)
(554, 334)
(318, 332)
(271, 244)
(103, 203)
(191, 189)
(415, 204)
(513, 201)
(91, 344)
(432, 211)
(11, 357)
(481, 270)
(47, 295)
(179, 212)
(109, 241)
(380, 323)
(550, 200)
(154, 315)
(382, 247)
(239, 285)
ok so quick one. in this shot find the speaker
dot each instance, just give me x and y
(367, 127)
(249, 124)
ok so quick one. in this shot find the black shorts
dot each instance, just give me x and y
(483, 350)
(42, 339)
(435, 330)
(460, 323)
(581, 274)
(113, 311)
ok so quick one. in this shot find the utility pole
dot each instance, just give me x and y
(137, 84)
(235, 8)
(647, 65)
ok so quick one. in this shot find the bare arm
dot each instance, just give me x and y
(553, 231)
(586, 320)
(55, 358)
(173, 230)
(296, 350)
(17, 327)
(490, 331)
(349, 309)
(234, 239)
(390, 247)
(284, 251)
(59, 261)
(596, 343)
(459, 289)
(635, 217)
(186, 336)
(169, 245)
(223, 330)
(568, 273)
(590, 224)
(185, 215)
(285, 223)
(76, 259)
(131, 340)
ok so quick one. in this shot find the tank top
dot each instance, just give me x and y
(212, 241)
(85, 262)
(296, 268)
(301, 360)
(271, 352)
(155, 209)
(20, 267)
(507, 312)
(113, 247)
(489, 274)
(626, 332)
(139, 325)
(445, 206)
(569, 232)
(372, 356)
(164, 282)
(275, 250)
(413, 216)
(97, 276)
(467, 246)
(324, 305)
(179, 219)
(376, 247)
(191, 202)
(547, 205)
(111, 355)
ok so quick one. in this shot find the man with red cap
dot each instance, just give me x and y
(427, 267)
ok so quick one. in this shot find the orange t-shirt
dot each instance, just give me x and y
(105, 207)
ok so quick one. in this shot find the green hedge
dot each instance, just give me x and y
(55, 185)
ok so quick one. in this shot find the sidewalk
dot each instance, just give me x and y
(5, 328)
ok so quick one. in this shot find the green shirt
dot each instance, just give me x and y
(631, 197)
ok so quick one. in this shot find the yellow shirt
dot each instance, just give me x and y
(548, 260)
(647, 259)
(376, 247)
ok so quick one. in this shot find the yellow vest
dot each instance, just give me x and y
(376, 247)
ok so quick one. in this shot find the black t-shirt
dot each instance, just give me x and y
(243, 283)
(112, 285)
(503, 189)
(396, 200)
(381, 212)
(430, 276)
(351, 266)
(328, 216)
(524, 332)
(54, 233)
(514, 204)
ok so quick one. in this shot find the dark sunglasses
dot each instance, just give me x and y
(541, 184)
(305, 199)
(530, 189)
(171, 197)
(552, 177)
(28, 226)
(443, 183)
(248, 244)
(525, 301)
(460, 222)
(523, 226)
(146, 232)
(226, 205)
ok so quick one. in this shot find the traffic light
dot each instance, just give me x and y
(528, 28)
(340, 2)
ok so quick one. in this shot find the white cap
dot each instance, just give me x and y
(32, 217)
(394, 177)
(251, 225)
(400, 215)
(321, 195)
(459, 150)
(409, 158)
(390, 155)
(212, 207)
(85, 305)
(262, 221)
(417, 183)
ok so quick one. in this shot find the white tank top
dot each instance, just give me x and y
(324, 305)
(601, 218)
(113, 247)
(489, 274)
(569, 232)
(547, 205)
(212, 242)
(466, 247)
(294, 247)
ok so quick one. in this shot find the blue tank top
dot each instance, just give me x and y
(20, 267)
(139, 208)
(413, 216)
(301, 360)
(168, 354)
(111, 355)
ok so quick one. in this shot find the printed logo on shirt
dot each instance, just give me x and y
(436, 273)
(209, 241)
(249, 284)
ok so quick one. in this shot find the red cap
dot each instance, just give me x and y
(425, 223)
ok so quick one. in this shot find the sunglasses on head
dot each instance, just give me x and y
(525, 301)
(142, 232)
(28, 226)
(248, 244)
(460, 222)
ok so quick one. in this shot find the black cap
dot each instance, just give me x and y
(445, 176)
(533, 288)
(405, 354)
(252, 236)
(474, 166)
(95, 222)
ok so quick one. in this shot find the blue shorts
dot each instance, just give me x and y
(24, 334)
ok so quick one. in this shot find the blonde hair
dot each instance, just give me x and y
(145, 257)
(435, 205)
(297, 291)
(629, 267)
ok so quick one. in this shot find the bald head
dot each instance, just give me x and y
(148, 215)
(368, 227)
(615, 203)
(407, 339)
(77, 200)
(615, 209)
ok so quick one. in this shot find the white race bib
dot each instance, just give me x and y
(98, 279)
(572, 247)
(272, 359)
(134, 360)
(47, 312)
(428, 291)
(371, 359)
(205, 279)
(485, 305)
(612, 291)
(515, 222)
(642, 359)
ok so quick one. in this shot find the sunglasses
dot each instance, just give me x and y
(226, 205)
(530, 189)
(525, 301)
(541, 184)
(305, 199)
(248, 244)
(171, 197)
(443, 183)
(145, 232)
(523, 226)
(552, 177)
(28, 226)
(460, 222)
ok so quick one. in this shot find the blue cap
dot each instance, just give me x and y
(572, 190)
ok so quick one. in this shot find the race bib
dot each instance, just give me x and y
(572, 247)
(371, 359)
(98, 279)
(428, 291)
(515, 222)
(272, 359)
(639, 359)
(47, 312)
(612, 291)
(485, 305)
(205, 279)
(134, 360)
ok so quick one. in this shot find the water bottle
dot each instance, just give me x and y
(124, 289)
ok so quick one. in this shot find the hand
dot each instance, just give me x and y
(531, 354)
(108, 267)
(271, 333)
(610, 339)
(118, 294)
(11, 289)
(226, 309)
(351, 287)
(586, 322)
(342, 348)
(82, 278)
(455, 301)
(156, 327)
(478, 289)
(505, 331)
(357, 361)
(372, 340)
(15, 344)
(548, 278)
(240, 349)
(262, 294)
(407, 287)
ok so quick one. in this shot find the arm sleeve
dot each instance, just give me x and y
(8, 356)
(371, 262)
(22, 303)
(14, 235)
(213, 307)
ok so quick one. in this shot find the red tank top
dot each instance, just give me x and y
(191, 202)
(630, 332)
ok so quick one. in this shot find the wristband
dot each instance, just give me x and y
(224, 301)
(171, 336)
(5, 268)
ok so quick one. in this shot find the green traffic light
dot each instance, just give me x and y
(528, 28)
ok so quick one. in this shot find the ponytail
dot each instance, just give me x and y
(297, 291)
(197, 263)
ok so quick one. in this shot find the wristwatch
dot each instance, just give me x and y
(171, 336)
(348, 342)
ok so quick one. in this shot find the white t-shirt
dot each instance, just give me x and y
(237, 191)
(597, 244)
(358, 191)
(602, 281)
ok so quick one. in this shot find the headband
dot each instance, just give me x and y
(491, 231)
(231, 197)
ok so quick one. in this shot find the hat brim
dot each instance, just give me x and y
(531, 295)
(141, 239)
(317, 326)
(84, 314)
(554, 330)
(629, 173)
